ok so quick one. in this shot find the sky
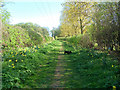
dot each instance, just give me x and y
(44, 13)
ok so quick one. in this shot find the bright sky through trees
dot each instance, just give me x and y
(46, 14)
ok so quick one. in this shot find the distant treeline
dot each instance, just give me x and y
(22, 34)
(90, 23)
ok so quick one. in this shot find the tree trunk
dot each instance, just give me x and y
(81, 27)
(111, 48)
(119, 23)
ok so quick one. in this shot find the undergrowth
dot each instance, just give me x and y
(30, 67)
(88, 68)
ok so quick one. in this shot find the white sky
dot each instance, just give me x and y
(45, 14)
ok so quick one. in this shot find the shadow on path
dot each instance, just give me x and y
(59, 73)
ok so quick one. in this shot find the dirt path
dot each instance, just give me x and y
(59, 73)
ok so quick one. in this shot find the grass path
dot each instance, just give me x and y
(59, 70)
(48, 67)
(89, 68)
(83, 68)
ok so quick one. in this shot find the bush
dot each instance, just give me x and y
(81, 41)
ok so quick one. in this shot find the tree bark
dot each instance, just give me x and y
(81, 27)
(119, 22)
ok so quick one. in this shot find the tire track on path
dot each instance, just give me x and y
(59, 73)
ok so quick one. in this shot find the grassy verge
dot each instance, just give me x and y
(30, 67)
(89, 68)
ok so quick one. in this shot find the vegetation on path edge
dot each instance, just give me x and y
(35, 67)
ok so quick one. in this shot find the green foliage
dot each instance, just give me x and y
(104, 29)
(80, 41)
(87, 25)
(22, 36)
(15, 36)
(75, 18)
(95, 45)
(34, 27)
(24, 66)
(56, 32)
(87, 68)
(100, 21)
(4, 14)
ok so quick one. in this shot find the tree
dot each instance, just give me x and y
(75, 16)
(105, 24)
(55, 32)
